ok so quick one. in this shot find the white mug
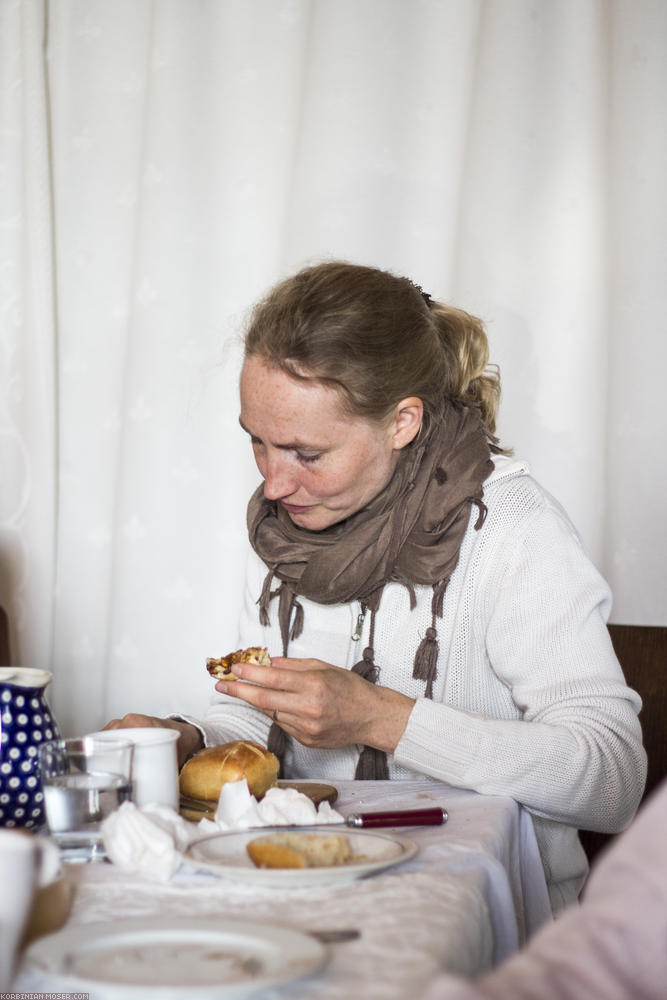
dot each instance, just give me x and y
(155, 764)
(19, 870)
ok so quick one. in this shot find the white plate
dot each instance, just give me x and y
(171, 959)
(225, 854)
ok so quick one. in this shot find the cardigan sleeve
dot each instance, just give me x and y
(576, 730)
(612, 945)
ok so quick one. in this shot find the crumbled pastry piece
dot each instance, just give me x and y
(299, 850)
(222, 668)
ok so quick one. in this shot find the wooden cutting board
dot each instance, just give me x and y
(313, 789)
(196, 809)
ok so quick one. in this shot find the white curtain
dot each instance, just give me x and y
(163, 162)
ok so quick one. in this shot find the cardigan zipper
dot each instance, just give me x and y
(356, 635)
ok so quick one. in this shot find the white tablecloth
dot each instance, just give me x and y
(472, 894)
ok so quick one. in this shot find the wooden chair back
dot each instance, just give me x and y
(642, 653)
(5, 658)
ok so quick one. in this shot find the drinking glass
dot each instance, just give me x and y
(83, 780)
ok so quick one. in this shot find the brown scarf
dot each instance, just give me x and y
(410, 534)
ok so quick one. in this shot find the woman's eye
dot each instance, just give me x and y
(307, 458)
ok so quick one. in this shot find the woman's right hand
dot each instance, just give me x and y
(189, 740)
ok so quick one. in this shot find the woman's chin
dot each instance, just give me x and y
(311, 521)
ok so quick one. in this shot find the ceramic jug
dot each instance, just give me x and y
(25, 722)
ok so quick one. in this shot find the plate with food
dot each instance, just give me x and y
(290, 857)
(171, 959)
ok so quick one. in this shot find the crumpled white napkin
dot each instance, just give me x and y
(151, 839)
(239, 810)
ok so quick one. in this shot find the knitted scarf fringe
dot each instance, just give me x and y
(372, 764)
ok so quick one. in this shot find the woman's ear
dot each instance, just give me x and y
(407, 421)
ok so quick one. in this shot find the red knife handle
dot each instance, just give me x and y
(406, 817)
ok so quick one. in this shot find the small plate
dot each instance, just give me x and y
(225, 854)
(172, 959)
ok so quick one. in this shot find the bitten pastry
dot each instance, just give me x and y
(222, 667)
(299, 850)
(203, 775)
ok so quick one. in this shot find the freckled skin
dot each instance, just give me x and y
(319, 462)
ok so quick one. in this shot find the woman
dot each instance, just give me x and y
(433, 607)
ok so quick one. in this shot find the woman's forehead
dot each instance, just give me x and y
(270, 398)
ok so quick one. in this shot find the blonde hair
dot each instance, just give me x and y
(376, 338)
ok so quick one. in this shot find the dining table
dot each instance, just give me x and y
(469, 896)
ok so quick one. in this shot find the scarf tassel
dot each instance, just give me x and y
(438, 599)
(372, 765)
(366, 666)
(483, 511)
(410, 589)
(297, 624)
(265, 599)
(426, 661)
(277, 744)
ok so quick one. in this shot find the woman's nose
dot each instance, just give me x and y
(279, 480)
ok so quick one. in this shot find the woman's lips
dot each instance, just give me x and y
(293, 508)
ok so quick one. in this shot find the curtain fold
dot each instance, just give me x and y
(163, 163)
(28, 339)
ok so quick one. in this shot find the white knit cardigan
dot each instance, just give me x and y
(529, 700)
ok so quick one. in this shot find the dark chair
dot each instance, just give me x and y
(642, 653)
(5, 659)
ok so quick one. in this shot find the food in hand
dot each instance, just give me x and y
(299, 850)
(203, 775)
(221, 669)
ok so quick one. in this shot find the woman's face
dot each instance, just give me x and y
(317, 461)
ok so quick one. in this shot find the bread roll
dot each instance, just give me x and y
(203, 775)
(299, 850)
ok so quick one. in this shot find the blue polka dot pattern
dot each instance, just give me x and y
(25, 722)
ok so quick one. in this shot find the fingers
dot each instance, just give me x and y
(268, 677)
(312, 699)
(281, 675)
(267, 687)
(266, 698)
(287, 663)
(301, 708)
(134, 720)
(291, 663)
(285, 692)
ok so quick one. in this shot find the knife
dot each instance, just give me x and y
(434, 816)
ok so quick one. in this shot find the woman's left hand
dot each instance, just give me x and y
(321, 705)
